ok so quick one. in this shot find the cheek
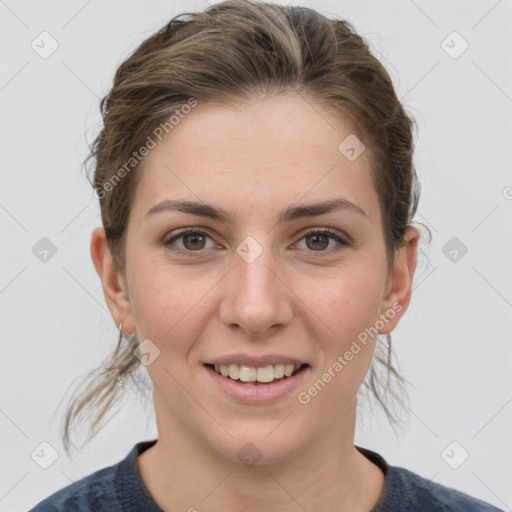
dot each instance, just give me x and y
(169, 306)
(350, 302)
(349, 306)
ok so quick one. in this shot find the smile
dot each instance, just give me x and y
(252, 374)
(252, 390)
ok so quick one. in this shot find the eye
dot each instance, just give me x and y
(193, 241)
(320, 238)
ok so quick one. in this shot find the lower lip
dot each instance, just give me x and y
(257, 393)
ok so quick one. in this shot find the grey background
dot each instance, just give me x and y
(454, 342)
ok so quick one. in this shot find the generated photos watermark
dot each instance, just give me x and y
(305, 397)
(159, 133)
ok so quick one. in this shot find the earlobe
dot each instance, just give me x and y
(113, 283)
(399, 284)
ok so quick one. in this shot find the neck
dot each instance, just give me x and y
(181, 472)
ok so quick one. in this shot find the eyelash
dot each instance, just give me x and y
(342, 242)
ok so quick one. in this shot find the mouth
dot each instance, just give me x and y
(256, 376)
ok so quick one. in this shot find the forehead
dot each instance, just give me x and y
(273, 150)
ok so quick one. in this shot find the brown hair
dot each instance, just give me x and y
(230, 52)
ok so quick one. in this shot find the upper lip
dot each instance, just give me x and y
(259, 361)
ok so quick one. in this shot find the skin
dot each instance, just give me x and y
(299, 297)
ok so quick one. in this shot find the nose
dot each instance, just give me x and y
(256, 298)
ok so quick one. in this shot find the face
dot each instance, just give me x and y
(258, 286)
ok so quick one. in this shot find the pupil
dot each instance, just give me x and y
(316, 237)
(194, 236)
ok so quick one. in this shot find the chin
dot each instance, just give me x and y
(264, 447)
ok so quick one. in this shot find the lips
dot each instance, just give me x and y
(264, 368)
(252, 393)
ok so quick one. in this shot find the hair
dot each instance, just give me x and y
(233, 51)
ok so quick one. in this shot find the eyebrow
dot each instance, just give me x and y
(289, 214)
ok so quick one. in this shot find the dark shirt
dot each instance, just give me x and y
(119, 488)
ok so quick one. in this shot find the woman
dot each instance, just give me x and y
(256, 188)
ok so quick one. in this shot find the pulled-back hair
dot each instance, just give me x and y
(229, 53)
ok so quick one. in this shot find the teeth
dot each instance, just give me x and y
(279, 371)
(233, 371)
(256, 374)
(247, 373)
(265, 374)
(288, 369)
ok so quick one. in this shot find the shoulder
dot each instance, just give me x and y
(405, 491)
(96, 491)
(414, 492)
(113, 489)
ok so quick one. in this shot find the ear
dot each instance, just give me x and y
(115, 289)
(399, 285)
